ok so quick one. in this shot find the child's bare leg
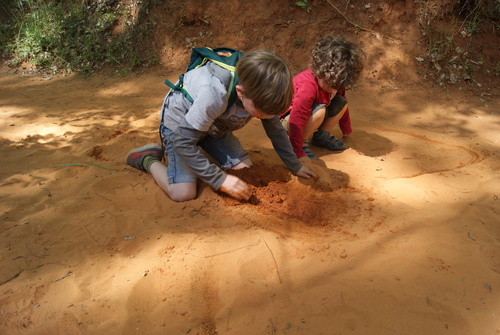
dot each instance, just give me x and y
(177, 192)
(331, 122)
(314, 122)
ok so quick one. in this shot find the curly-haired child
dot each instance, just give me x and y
(319, 102)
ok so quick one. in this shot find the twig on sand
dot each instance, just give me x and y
(50, 263)
(48, 192)
(31, 252)
(61, 278)
(103, 197)
(224, 252)
(275, 263)
(12, 277)
(273, 327)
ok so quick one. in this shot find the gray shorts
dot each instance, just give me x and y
(335, 107)
(226, 150)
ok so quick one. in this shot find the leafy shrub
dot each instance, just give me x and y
(73, 36)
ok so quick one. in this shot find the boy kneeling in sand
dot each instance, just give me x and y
(319, 101)
(265, 90)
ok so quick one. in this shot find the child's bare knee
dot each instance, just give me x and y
(182, 192)
(183, 196)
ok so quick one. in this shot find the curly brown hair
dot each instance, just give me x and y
(267, 81)
(338, 61)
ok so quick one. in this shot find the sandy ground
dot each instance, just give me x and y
(400, 235)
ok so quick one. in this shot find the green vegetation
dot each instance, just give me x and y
(75, 35)
(304, 5)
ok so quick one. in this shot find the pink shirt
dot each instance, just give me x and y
(307, 93)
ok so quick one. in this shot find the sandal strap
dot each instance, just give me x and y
(330, 143)
(308, 152)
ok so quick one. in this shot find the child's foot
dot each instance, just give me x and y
(324, 140)
(307, 150)
(136, 156)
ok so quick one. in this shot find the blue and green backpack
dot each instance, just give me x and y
(224, 57)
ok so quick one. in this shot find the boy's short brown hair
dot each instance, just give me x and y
(266, 80)
(338, 61)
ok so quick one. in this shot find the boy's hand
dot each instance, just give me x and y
(236, 188)
(304, 172)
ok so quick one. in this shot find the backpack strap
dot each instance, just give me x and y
(179, 87)
(225, 58)
(226, 77)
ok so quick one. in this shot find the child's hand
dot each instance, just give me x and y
(304, 172)
(236, 188)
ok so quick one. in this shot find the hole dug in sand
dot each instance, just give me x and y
(275, 190)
